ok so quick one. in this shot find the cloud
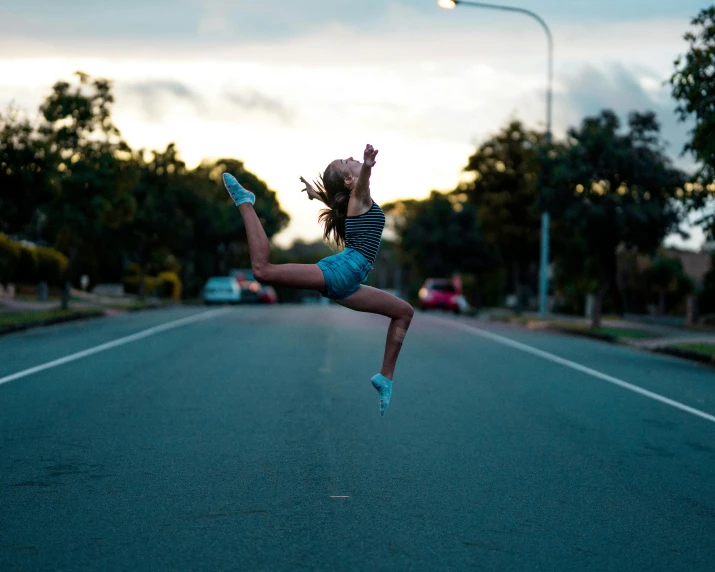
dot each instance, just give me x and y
(187, 20)
(278, 19)
(153, 95)
(422, 84)
(252, 100)
(623, 89)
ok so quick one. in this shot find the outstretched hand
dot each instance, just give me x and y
(309, 189)
(369, 155)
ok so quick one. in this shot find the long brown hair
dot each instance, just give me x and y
(333, 192)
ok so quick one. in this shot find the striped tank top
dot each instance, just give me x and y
(363, 232)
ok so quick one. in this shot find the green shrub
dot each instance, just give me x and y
(26, 271)
(51, 265)
(131, 284)
(9, 259)
(133, 269)
(171, 264)
(485, 290)
(169, 285)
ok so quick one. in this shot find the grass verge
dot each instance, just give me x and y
(704, 353)
(705, 349)
(23, 320)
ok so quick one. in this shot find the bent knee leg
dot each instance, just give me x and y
(406, 312)
(402, 323)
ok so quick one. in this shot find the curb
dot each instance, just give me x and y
(686, 354)
(664, 350)
(586, 334)
(130, 310)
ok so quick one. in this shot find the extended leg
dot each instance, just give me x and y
(294, 275)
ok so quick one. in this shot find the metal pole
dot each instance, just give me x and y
(544, 271)
(545, 219)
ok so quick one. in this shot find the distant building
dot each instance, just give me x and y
(695, 264)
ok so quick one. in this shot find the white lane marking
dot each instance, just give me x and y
(582, 368)
(113, 344)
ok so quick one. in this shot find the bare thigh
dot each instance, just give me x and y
(308, 276)
(375, 301)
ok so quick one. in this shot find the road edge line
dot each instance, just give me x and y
(580, 368)
(113, 344)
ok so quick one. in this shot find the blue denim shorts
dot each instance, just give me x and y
(343, 273)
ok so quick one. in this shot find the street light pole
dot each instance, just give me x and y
(545, 222)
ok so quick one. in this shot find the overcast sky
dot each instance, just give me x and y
(287, 86)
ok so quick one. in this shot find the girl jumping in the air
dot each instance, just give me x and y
(354, 221)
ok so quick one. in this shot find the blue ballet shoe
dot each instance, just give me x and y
(384, 388)
(237, 192)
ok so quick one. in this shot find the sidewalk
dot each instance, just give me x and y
(690, 343)
(23, 313)
(78, 300)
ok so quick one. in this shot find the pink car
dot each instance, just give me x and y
(441, 293)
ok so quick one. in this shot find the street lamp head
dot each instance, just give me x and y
(447, 4)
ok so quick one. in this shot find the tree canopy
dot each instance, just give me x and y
(440, 235)
(612, 187)
(72, 182)
(505, 192)
(693, 86)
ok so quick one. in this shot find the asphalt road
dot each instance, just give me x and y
(250, 439)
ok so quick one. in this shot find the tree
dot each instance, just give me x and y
(219, 238)
(105, 205)
(666, 276)
(93, 176)
(505, 191)
(440, 235)
(693, 86)
(159, 222)
(268, 209)
(23, 174)
(612, 188)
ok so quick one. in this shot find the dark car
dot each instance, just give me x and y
(441, 293)
(253, 291)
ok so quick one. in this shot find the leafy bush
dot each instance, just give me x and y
(170, 263)
(29, 264)
(26, 271)
(169, 285)
(9, 258)
(131, 284)
(133, 269)
(51, 265)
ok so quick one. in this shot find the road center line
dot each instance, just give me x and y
(113, 344)
(578, 367)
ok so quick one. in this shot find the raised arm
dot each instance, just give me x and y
(362, 188)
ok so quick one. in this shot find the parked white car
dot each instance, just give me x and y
(222, 290)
